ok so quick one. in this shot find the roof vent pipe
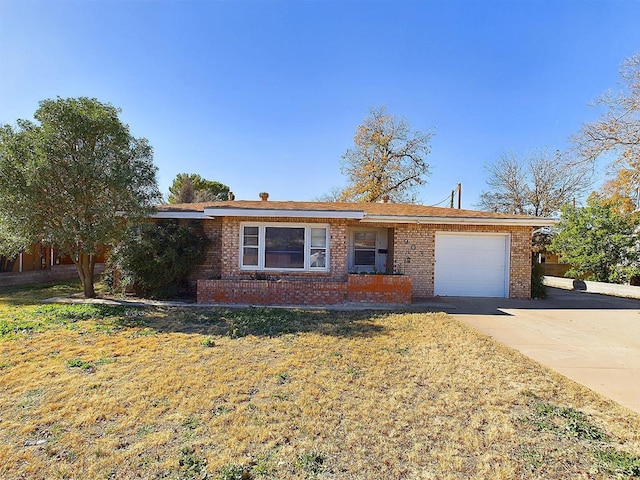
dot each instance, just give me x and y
(264, 196)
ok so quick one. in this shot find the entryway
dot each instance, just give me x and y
(368, 250)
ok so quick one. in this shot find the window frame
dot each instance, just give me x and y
(373, 249)
(262, 226)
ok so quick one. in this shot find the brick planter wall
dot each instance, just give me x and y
(383, 289)
(379, 288)
(272, 292)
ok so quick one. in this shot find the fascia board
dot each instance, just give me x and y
(527, 222)
(188, 215)
(280, 213)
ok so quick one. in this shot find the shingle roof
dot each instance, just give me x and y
(369, 210)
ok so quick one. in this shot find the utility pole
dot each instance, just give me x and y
(453, 192)
(459, 196)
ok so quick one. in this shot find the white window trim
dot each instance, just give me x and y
(307, 246)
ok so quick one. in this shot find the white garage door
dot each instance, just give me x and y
(472, 265)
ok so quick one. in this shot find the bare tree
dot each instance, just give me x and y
(333, 195)
(536, 185)
(617, 133)
(387, 159)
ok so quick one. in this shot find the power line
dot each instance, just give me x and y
(447, 198)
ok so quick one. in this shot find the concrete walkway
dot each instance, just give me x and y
(592, 339)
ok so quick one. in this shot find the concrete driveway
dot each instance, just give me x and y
(592, 339)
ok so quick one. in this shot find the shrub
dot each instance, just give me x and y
(538, 289)
(155, 259)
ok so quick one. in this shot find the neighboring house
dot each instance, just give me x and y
(551, 264)
(39, 256)
(40, 263)
(272, 252)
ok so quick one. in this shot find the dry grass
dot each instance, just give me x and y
(94, 392)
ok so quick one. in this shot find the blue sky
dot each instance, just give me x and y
(266, 96)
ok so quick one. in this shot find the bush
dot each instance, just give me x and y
(155, 259)
(538, 289)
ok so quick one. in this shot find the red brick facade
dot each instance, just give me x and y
(230, 255)
(411, 253)
(387, 289)
(273, 292)
(379, 289)
(414, 255)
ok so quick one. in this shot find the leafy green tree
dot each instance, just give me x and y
(388, 159)
(191, 187)
(600, 241)
(155, 259)
(10, 246)
(75, 179)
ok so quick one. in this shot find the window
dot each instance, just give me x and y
(250, 247)
(364, 248)
(318, 257)
(284, 247)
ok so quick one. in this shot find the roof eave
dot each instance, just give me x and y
(282, 213)
(350, 215)
(192, 215)
(525, 222)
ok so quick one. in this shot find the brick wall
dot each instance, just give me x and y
(379, 289)
(268, 292)
(230, 256)
(414, 255)
(411, 253)
(520, 263)
(383, 289)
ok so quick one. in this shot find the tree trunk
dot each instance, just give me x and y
(85, 266)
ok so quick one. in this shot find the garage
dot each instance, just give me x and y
(471, 265)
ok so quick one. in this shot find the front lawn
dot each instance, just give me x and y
(108, 392)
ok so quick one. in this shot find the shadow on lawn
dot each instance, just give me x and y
(231, 322)
(262, 322)
(33, 294)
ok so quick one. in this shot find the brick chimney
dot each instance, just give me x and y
(264, 196)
